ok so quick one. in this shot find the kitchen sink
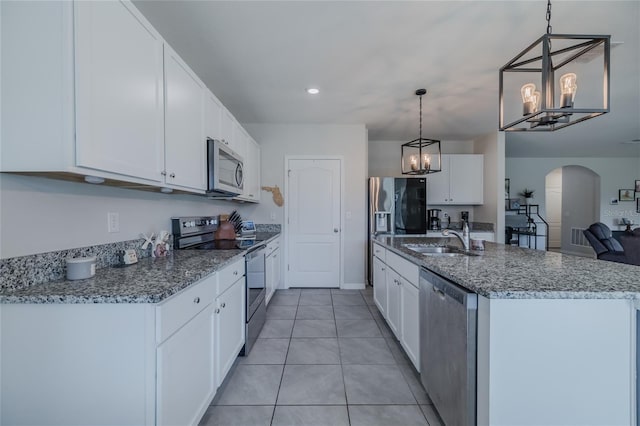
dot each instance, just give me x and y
(437, 251)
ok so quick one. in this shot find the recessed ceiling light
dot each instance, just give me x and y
(313, 90)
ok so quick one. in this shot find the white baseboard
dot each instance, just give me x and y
(353, 286)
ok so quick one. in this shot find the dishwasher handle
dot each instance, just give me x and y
(446, 288)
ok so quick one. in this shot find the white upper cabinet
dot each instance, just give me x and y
(251, 189)
(240, 140)
(119, 91)
(212, 116)
(90, 88)
(460, 181)
(227, 127)
(185, 147)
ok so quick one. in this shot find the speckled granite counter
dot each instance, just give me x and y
(505, 272)
(151, 280)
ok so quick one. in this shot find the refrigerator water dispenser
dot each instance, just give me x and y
(383, 222)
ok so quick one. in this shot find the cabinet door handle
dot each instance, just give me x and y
(163, 173)
(224, 304)
(383, 269)
(275, 255)
(217, 310)
(196, 300)
(172, 175)
(235, 272)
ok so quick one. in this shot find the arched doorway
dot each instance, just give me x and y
(572, 199)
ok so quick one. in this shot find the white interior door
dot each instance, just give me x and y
(314, 227)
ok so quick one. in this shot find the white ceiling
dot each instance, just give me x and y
(368, 58)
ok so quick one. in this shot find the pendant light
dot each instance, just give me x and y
(421, 156)
(541, 62)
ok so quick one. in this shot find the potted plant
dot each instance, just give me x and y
(527, 194)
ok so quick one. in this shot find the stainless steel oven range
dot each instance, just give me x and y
(196, 233)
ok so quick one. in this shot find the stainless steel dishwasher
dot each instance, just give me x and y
(448, 318)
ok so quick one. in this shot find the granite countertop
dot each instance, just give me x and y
(506, 272)
(151, 280)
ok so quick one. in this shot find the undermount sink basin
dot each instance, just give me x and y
(429, 249)
(437, 251)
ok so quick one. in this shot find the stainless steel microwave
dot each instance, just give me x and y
(224, 170)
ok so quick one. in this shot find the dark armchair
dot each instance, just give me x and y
(631, 244)
(605, 246)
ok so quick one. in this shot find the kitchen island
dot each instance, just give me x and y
(144, 344)
(556, 333)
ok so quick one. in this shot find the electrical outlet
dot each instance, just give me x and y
(445, 215)
(113, 222)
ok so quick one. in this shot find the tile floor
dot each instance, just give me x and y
(324, 357)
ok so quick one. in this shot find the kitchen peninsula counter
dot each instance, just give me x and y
(151, 280)
(506, 272)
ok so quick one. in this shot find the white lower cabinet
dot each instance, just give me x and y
(186, 381)
(395, 292)
(380, 285)
(393, 301)
(409, 321)
(122, 363)
(229, 327)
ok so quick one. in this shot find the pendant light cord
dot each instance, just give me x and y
(548, 16)
(420, 119)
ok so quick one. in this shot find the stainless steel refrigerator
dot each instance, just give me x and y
(396, 206)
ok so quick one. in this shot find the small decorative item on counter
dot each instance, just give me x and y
(477, 244)
(127, 257)
(80, 268)
(161, 244)
(160, 250)
(148, 240)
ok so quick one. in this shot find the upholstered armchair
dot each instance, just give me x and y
(606, 247)
(631, 244)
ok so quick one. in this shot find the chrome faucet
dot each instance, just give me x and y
(464, 237)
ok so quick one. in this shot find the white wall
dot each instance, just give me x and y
(39, 215)
(492, 211)
(615, 173)
(348, 141)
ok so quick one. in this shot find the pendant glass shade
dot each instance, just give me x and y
(534, 98)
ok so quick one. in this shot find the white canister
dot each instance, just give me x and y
(79, 268)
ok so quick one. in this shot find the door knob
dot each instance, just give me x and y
(335, 230)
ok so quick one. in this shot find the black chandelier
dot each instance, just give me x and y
(569, 53)
(421, 156)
